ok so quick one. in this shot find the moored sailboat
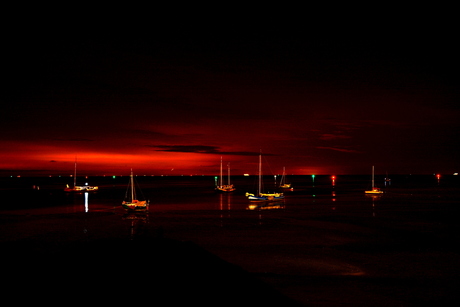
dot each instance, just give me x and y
(225, 187)
(283, 184)
(373, 190)
(79, 188)
(131, 202)
(259, 196)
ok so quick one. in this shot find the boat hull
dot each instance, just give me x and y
(135, 206)
(82, 188)
(226, 188)
(374, 191)
(265, 197)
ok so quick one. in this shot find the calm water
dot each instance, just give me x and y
(320, 195)
(396, 249)
(192, 201)
(46, 195)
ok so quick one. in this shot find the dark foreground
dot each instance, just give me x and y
(154, 272)
(53, 268)
(323, 246)
(266, 258)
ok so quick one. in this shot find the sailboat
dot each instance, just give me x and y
(283, 184)
(79, 188)
(263, 196)
(374, 190)
(225, 187)
(132, 203)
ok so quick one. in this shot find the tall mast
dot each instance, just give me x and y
(372, 177)
(221, 183)
(228, 173)
(284, 174)
(75, 174)
(260, 173)
(132, 186)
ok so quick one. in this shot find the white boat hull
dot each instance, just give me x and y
(265, 197)
(82, 188)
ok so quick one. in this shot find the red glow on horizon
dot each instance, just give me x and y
(46, 159)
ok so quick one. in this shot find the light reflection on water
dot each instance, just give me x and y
(86, 202)
(198, 194)
(137, 221)
(309, 217)
(266, 205)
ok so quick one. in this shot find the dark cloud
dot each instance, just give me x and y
(203, 149)
(347, 150)
(73, 140)
(187, 148)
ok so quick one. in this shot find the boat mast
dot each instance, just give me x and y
(75, 174)
(221, 183)
(372, 177)
(282, 177)
(260, 173)
(228, 173)
(132, 186)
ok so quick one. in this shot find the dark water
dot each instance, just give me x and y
(326, 244)
(45, 195)
(409, 198)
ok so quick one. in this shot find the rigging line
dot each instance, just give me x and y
(127, 190)
(140, 190)
(269, 167)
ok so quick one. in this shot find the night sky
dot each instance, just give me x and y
(174, 101)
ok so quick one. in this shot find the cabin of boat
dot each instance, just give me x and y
(135, 205)
(265, 196)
